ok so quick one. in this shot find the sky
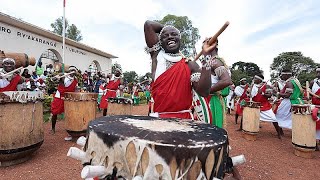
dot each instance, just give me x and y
(258, 30)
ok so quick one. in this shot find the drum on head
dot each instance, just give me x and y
(303, 131)
(21, 125)
(154, 148)
(80, 109)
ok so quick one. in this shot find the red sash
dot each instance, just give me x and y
(112, 86)
(172, 91)
(316, 100)
(244, 96)
(265, 104)
(13, 84)
(57, 105)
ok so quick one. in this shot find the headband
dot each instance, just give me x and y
(9, 60)
(169, 26)
(258, 77)
(243, 79)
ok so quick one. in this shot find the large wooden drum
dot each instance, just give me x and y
(21, 126)
(153, 148)
(251, 120)
(119, 106)
(303, 131)
(79, 110)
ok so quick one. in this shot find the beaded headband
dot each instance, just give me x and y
(169, 26)
(258, 77)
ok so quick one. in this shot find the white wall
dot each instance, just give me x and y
(17, 40)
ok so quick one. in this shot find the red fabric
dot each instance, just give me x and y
(315, 117)
(57, 105)
(265, 104)
(113, 86)
(239, 109)
(172, 91)
(315, 100)
(13, 84)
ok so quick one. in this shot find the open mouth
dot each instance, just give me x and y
(171, 43)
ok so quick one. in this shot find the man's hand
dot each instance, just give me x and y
(206, 48)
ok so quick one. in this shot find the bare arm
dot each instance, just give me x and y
(224, 79)
(287, 94)
(151, 29)
(202, 87)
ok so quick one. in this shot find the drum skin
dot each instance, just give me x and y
(79, 109)
(21, 127)
(157, 148)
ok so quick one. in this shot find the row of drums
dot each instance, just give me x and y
(303, 127)
(21, 121)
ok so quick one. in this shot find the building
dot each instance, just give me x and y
(22, 37)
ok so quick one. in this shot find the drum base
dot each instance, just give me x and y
(304, 153)
(250, 137)
(18, 157)
(76, 134)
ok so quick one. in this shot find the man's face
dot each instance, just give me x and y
(318, 74)
(286, 76)
(243, 82)
(170, 40)
(256, 81)
(8, 66)
(118, 73)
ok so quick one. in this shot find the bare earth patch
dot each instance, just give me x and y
(267, 158)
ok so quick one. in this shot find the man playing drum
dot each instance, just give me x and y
(173, 75)
(9, 82)
(260, 93)
(111, 89)
(292, 94)
(315, 89)
(241, 92)
(66, 84)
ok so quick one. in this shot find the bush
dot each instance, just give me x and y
(47, 102)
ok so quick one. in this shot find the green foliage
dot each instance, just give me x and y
(72, 32)
(302, 67)
(189, 34)
(241, 70)
(130, 76)
(145, 77)
(47, 102)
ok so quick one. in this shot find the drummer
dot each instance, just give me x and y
(9, 82)
(66, 84)
(315, 89)
(241, 92)
(111, 89)
(260, 92)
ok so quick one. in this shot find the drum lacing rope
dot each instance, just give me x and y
(186, 170)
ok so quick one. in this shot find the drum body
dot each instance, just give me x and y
(303, 131)
(251, 120)
(21, 127)
(79, 109)
(157, 148)
(119, 106)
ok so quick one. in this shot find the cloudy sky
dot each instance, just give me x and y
(258, 30)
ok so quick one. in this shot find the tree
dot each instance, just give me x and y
(302, 67)
(241, 70)
(72, 32)
(145, 77)
(129, 77)
(189, 34)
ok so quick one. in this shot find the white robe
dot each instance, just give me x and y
(230, 102)
(283, 114)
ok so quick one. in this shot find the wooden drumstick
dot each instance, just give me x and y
(13, 71)
(307, 90)
(214, 38)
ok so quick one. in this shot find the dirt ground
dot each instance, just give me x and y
(267, 158)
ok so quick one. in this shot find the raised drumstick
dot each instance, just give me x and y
(214, 38)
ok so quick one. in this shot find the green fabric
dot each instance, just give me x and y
(296, 96)
(224, 93)
(217, 110)
(39, 71)
(136, 100)
(99, 98)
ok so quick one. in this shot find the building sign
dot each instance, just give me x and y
(5, 30)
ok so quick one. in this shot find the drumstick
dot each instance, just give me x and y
(214, 38)
(307, 90)
(13, 71)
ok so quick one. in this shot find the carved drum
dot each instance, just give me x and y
(251, 120)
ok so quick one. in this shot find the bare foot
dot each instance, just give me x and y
(52, 131)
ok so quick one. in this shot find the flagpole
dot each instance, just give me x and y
(63, 35)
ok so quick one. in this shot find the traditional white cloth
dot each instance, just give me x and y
(281, 83)
(230, 102)
(239, 90)
(315, 86)
(268, 116)
(162, 59)
(283, 114)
